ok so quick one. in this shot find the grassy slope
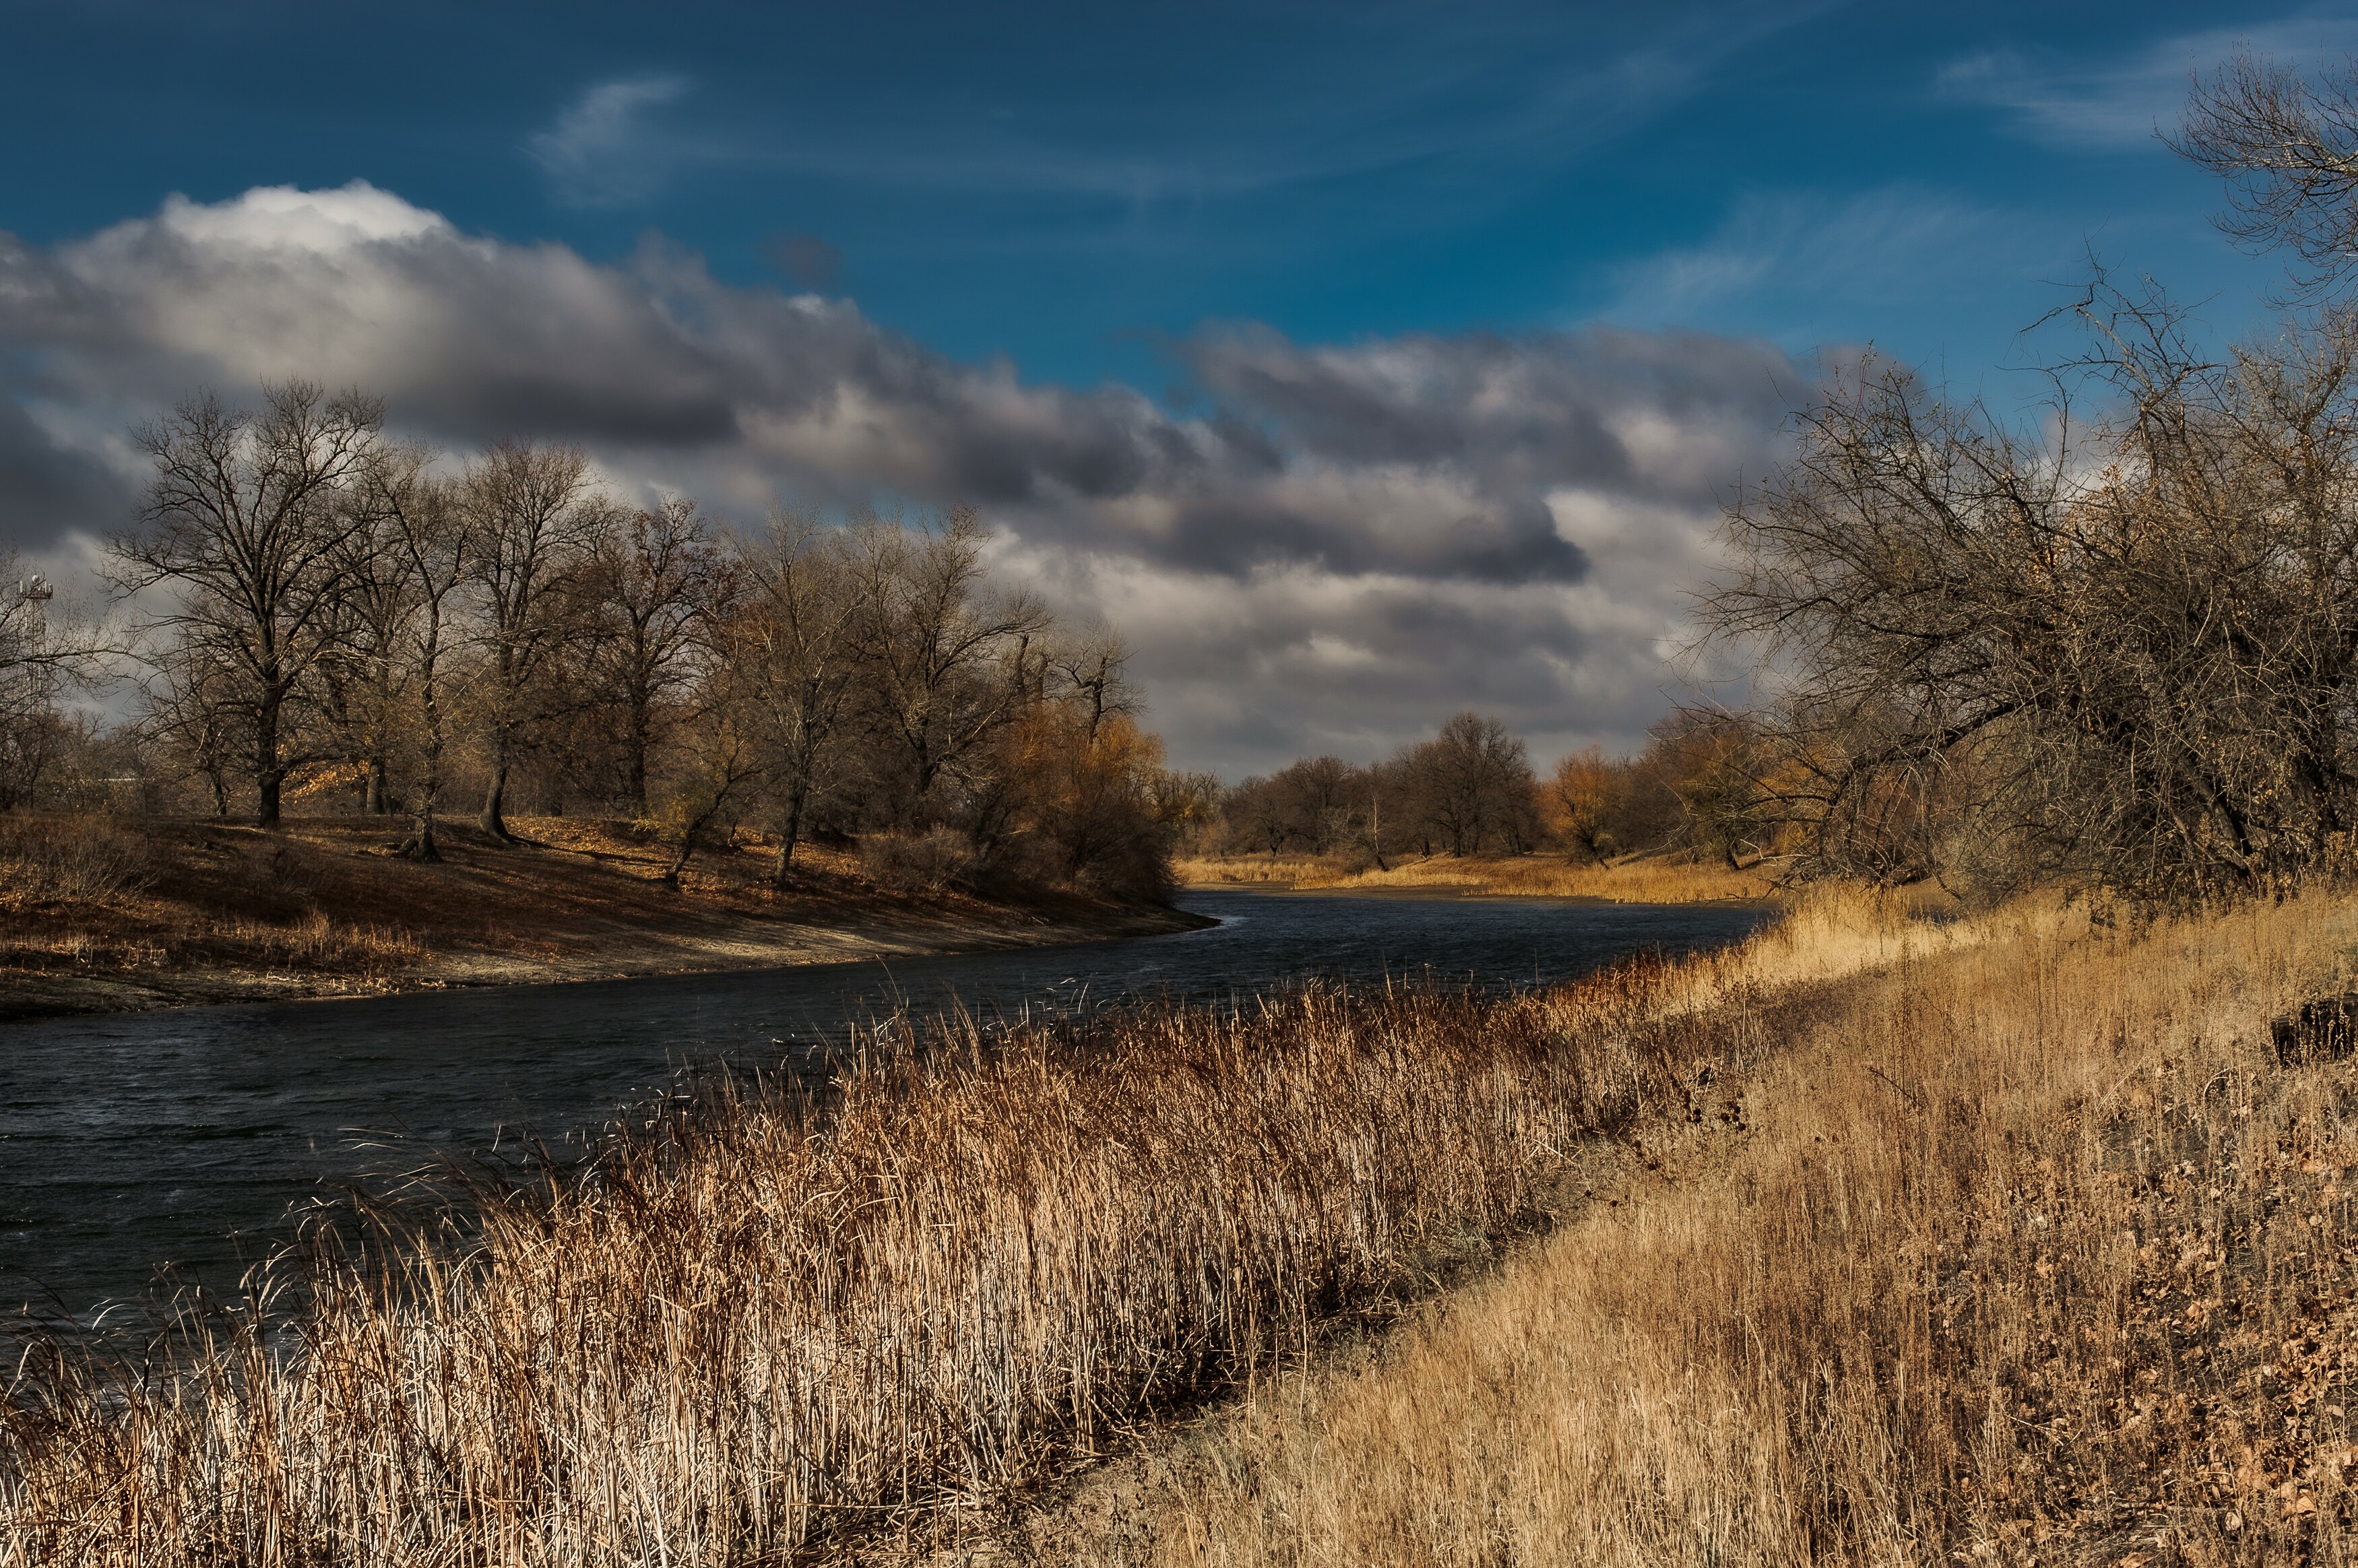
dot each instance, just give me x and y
(2029, 1252)
(1649, 880)
(219, 913)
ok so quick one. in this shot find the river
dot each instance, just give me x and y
(137, 1142)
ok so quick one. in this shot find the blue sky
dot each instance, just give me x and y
(1092, 236)
(1065, 184)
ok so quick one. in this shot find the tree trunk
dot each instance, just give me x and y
(689, 834)
(492, 821)
(637, 758)
(379, 803)
(420, 845)
(789, 835)
(267, 776)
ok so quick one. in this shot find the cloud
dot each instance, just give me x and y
(48, 490)
(1785, 256)
(598, 153)
(2126, 102)
(1324, 544)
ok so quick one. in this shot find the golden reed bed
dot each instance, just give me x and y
(2023, 1252)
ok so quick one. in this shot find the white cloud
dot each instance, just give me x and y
(599, 152)
(281, 217)
(1341, 547)
(2122, 104)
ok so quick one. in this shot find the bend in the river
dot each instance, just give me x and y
(133, 1141)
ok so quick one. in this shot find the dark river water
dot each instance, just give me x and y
(181, 1138)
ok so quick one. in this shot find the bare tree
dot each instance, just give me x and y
(1189, 805)
(2124, 651)
(245, 517)
(194, 712)
(1474, 787)
(2287, 148)
(723, 759)
(531, 515)
(651, 578)
(2131, 663)
(1586, 797)
(791, 656)
(364, 675)
(422, 535)
(1306, 807)
(1091, 664)
(949, 661)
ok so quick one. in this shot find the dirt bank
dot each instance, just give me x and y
(130, 916)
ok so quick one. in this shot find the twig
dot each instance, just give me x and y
(1913, 1103)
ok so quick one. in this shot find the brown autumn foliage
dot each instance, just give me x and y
(1583, 803)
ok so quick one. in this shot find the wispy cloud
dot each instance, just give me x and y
(1780, 261)
(1401, 90)
(2124, 103)
(600, 151)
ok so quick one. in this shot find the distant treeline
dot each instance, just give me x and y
(316, 613)
(1471, 790)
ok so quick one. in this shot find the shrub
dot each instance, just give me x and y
(916, 862)
(74, 859)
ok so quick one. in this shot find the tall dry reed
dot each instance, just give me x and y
(2022, 1251)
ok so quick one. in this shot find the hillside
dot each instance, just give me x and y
(99, 916)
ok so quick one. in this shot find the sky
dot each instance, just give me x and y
(1362, 362)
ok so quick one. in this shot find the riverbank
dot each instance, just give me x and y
(1643, 880)
(120, 916)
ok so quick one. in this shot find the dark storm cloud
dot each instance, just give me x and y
(1485, 514)
(1528, 411)
(48, 491)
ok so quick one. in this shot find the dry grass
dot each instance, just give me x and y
(1651, 880)
(69, 861)
(2021, 1251)
(93, 892)
(759, 1328)
(103, 915)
